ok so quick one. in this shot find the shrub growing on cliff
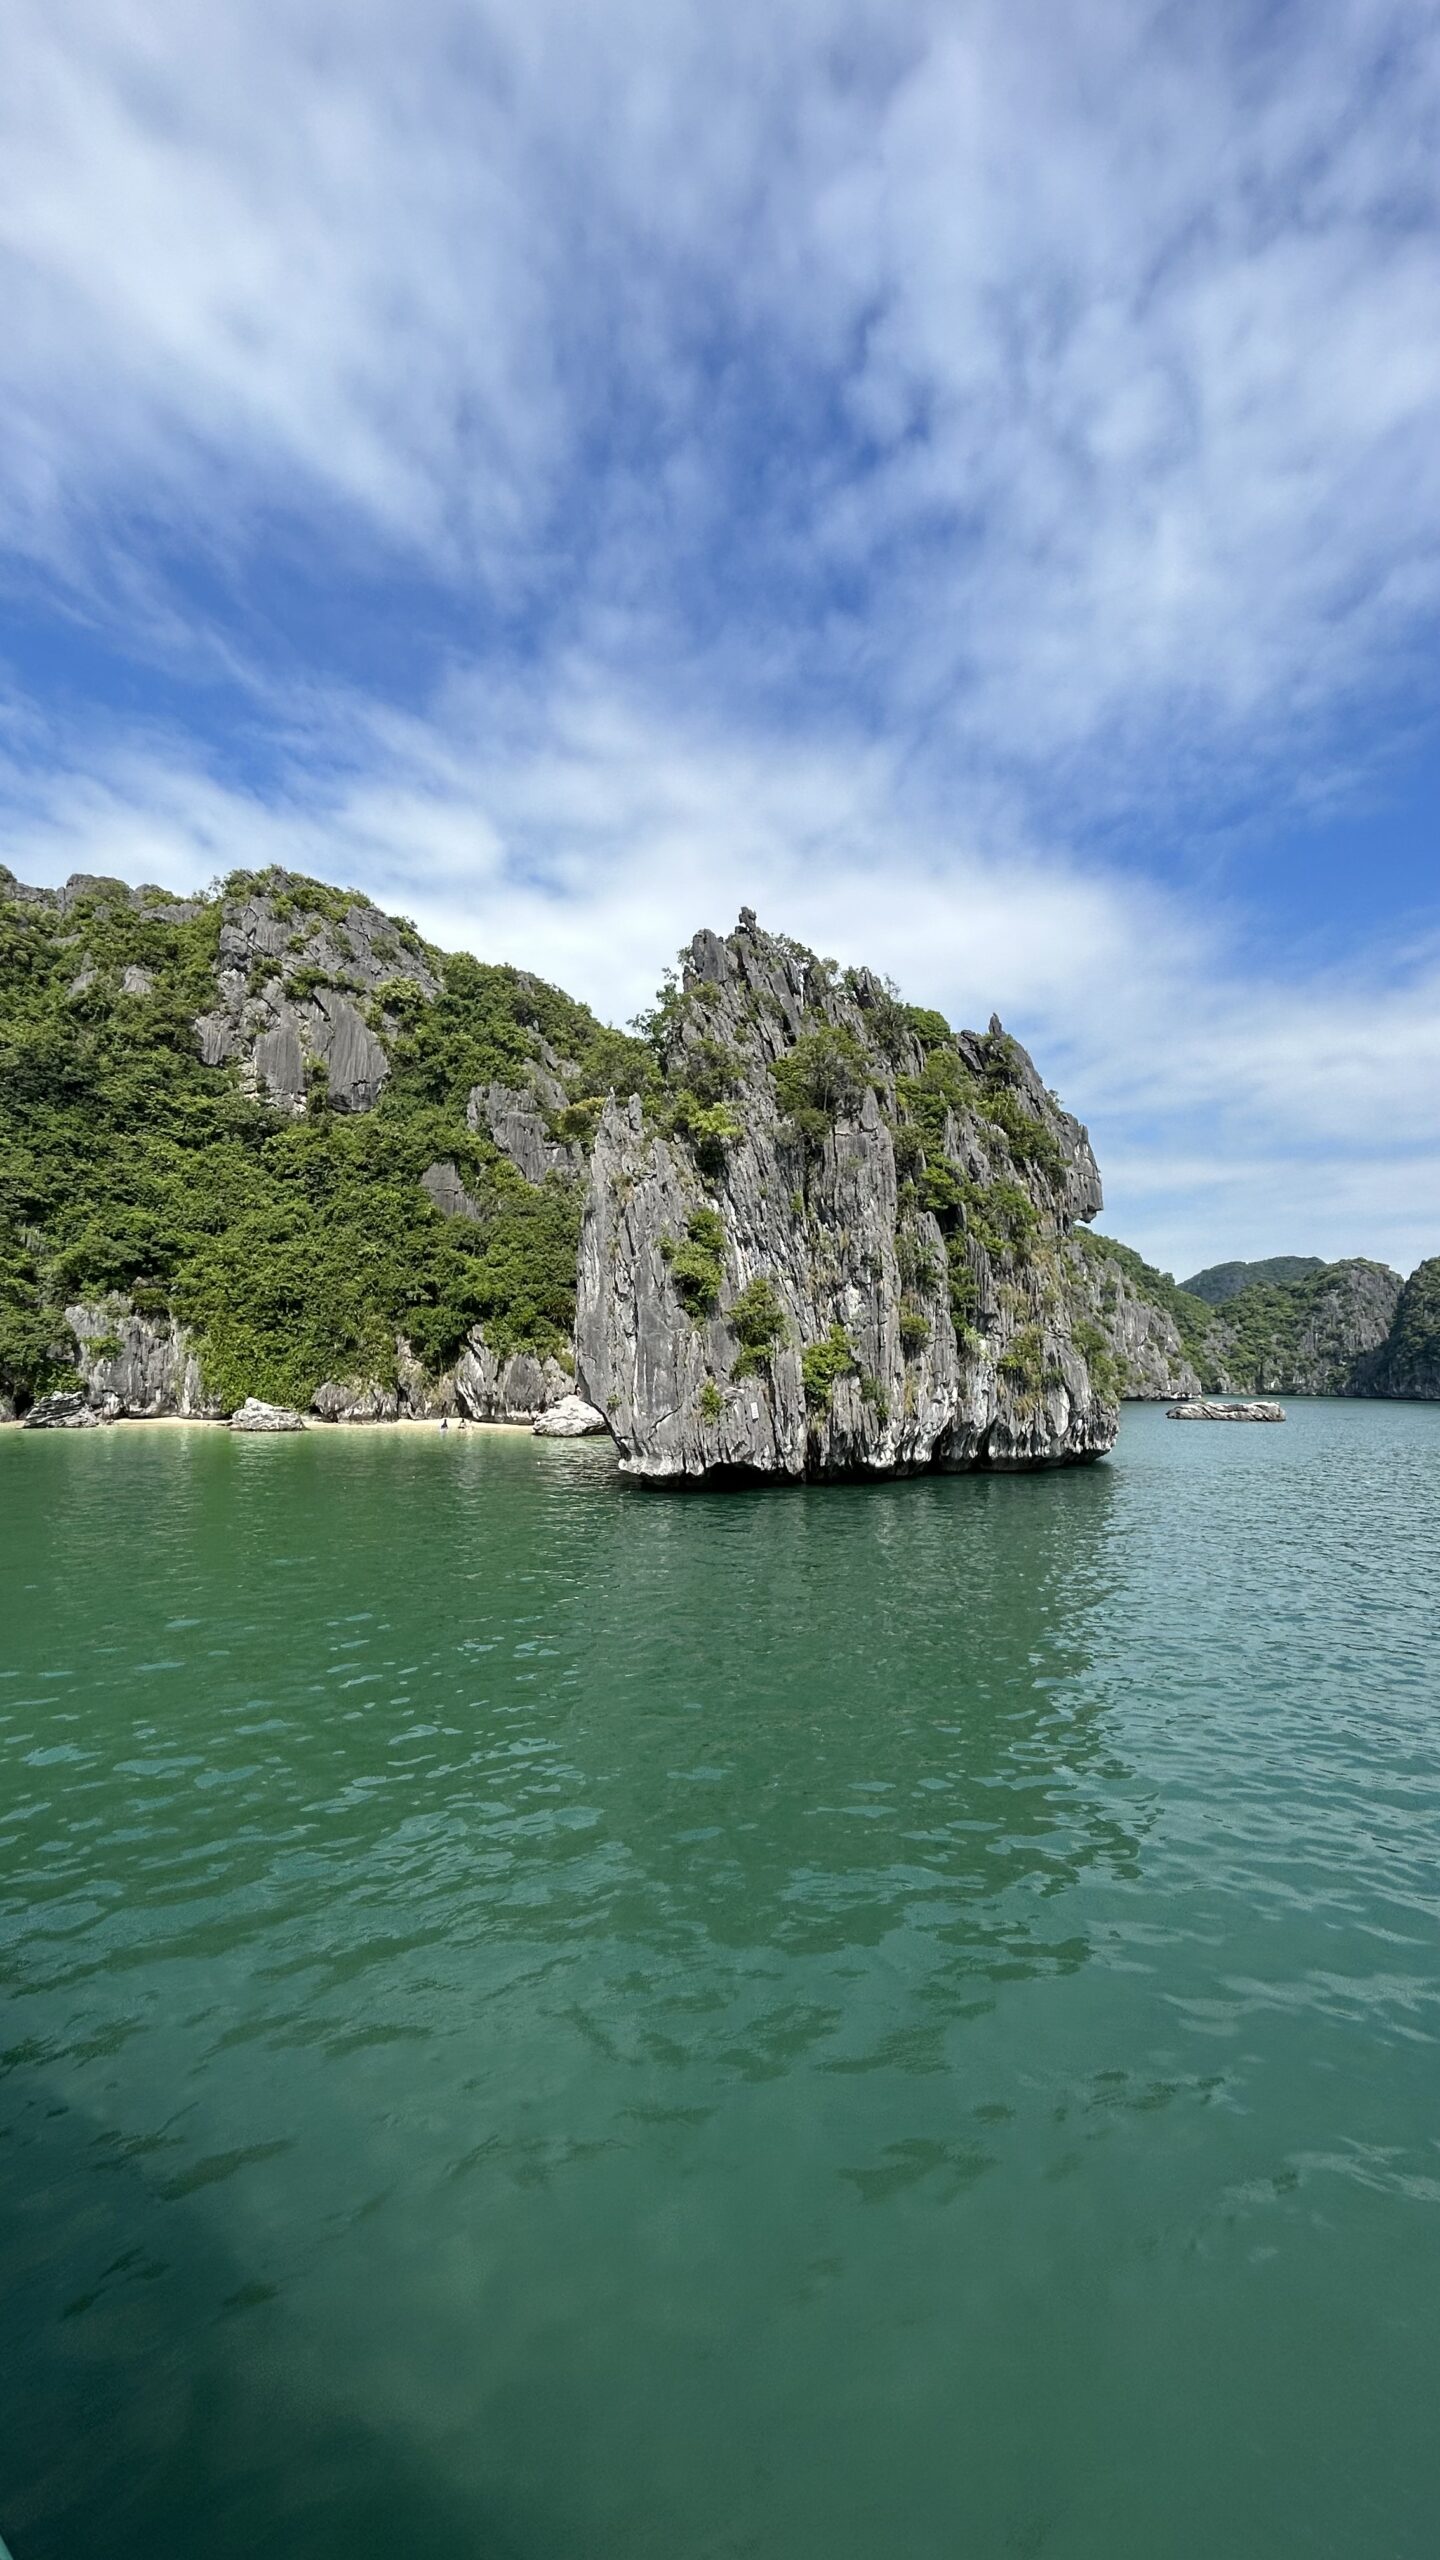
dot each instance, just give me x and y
(710, 1129)
(758, 1321)
(916, 1262)
(943, 1086)
(914, 1331)
(823, 1364)
(1193, 1320)
(820, 1080)
(1031, 1142)
(1023, 1360)
(1099, 1359)
(697, 1264)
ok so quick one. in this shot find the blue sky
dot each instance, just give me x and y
(962, 479)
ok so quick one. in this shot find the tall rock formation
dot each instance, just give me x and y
(270, 1143)
(1320, 1333)
(839, 1242)
(1409, 1363)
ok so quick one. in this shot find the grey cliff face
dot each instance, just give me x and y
(1344, 1332)
(67, 1410)
(295, 990)
(354, 1400)
(1143, 1338)
(853, 1261)
(1409, 1363)
(518, 1389)
(515, 1118)
(143, 1367)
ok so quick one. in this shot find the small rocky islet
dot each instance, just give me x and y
(1204, 1410)
(269, 1154)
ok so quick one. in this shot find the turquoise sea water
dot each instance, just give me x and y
(544, 2022)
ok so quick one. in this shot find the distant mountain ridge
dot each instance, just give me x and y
(1335, 1329)
(1226, 1279)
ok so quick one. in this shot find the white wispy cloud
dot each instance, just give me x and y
(1232, 1111)
(847, 450)
(1047, 373)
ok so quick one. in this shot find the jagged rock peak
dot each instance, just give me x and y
(838, 1241)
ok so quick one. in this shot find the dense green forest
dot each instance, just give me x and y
(294, 1247)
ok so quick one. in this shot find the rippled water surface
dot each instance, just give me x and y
(543, 2022)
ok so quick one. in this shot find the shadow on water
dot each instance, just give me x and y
(610, 1887)
(141, 2416)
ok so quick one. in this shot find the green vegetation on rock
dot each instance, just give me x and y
(820, 1080)
(1192, 1319)
(1412, 1354)
(1222, 1280)
(295, 1248)
(697, 1263)
(757, 1320)
(823, 1364)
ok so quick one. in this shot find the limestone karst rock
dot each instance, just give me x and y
(294, 986)
(1204, 1410)
(66, 1410)
(1408, 1363)
(841, 1245)
(271, 1140)
(144, 1366)
(571, 1419)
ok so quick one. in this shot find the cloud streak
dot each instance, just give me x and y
(604, 465)
(1224, 1100)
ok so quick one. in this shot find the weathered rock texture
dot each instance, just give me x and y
(256, 1415)
(487, 1389)
(143, 1366)
(842, 1247)
(1143, 1339)
(1323, 1333)
(1208, 1412)
(355, 1400)
(571, 1419)
(1409, 1363)
(518, 1119)
(1319, 1336)
(67, 1410)
(301, 996)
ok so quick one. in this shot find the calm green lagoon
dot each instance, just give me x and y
(546, 2022)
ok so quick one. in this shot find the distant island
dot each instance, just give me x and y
(1225, 1280)
(270, 1143)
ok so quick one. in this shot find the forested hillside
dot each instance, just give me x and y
(292, 1235)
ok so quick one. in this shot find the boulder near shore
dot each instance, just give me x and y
(255, 1415)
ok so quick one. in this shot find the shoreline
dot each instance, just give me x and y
(313, 1426)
